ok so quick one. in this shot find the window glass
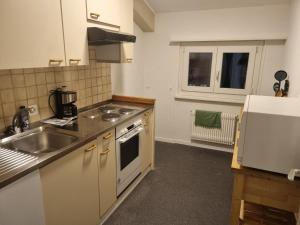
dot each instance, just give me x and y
(234, 70)
(199, 69)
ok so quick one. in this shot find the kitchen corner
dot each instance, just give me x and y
(96, 140)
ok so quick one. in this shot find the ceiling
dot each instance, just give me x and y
(188, 5)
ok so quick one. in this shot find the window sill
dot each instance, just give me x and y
(211, 97)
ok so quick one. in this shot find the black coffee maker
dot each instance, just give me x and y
(64, 103)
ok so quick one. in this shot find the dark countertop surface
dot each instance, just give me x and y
(84, 128)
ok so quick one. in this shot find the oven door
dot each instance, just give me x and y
(128, 158)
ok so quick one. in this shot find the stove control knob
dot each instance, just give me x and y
(137, 123)
(123, 131)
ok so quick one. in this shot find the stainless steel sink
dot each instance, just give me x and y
(39, 140)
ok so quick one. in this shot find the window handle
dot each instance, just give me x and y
(218, 76)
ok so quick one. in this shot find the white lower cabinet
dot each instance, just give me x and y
(107, 171)
(81, 187)
(21, 203)
(70, 188)
(147, 149)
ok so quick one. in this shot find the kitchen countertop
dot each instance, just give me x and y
(84, 128)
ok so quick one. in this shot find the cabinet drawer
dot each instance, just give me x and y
(272, 193)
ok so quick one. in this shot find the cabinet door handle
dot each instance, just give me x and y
(107, 136)
(105, 152)
(74, 61)
(129, 60)
(55, 61)
(93, 147)
(95, 15)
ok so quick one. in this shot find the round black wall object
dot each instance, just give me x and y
(280, 75)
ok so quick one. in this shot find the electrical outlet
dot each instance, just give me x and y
(33, 110)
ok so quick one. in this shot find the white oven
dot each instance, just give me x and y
(128, 145)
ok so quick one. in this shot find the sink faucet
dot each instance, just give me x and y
(16, 128)
(20, 121)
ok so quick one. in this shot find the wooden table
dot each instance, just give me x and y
(261, 187)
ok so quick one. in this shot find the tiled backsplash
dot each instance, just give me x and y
(31, 86)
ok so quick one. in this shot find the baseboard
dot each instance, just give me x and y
(195, 144)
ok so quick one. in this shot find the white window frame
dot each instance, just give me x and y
(186, 60)
(214, 93)
(250, 69)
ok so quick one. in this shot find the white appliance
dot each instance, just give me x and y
(128, 145)
(270, 134)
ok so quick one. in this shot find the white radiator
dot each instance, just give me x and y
(225, 135)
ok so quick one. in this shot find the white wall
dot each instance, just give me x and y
(273, 60)
(161, 61)
(292, 57)
(128, 79)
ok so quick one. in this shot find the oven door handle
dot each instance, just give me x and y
(131, 134)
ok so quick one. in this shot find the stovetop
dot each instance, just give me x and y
(110, 112)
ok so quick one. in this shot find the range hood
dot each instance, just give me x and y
(98, 36)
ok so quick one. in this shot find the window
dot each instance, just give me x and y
(234, 70)
(224, 69)
(200, 68)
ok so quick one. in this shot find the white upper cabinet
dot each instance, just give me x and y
(31, 34)
(44, 33)
(119, 53)
(104, 11)
(126, 15)
(75, 32)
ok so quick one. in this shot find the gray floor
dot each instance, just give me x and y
(190, 186)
